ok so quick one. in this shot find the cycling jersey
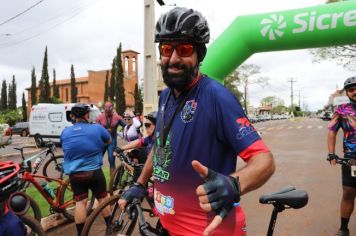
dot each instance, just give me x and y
(131, 131)
(83, 146)
(213, 129)
(146, 142)
(345, 117)
(10, 225)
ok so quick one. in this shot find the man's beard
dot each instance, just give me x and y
(179, 82)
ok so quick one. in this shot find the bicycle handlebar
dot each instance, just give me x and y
(343, 161)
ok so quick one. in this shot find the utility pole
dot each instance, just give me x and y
(150, 61)
(299, 100)
(291, 93)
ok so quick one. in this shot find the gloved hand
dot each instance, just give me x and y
(219, 193)
(119, 150)
(331, 156)
(135, 191)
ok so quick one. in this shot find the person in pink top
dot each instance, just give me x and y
(110, 120)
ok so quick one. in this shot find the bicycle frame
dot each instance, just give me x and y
(27, 176)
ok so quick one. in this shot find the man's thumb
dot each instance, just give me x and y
(200, 169)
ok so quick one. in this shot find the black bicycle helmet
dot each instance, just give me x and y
(350, 82)
(182, 24)
(152, 116)
(9, 181)
(80, 109)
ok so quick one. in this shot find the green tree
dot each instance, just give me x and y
(138, 100)
(10, 117)
(73, 88)
(3, 100)
(24, 108)
(249, 74)
(273, 100)
(55, 100)
(112, 87)
(12, 100)
(33, 87)
(120, 91)
(106, 89)
(231, 83)
(55, 85)
(44, 82)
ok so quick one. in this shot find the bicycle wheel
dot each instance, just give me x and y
(53, 167)
(120, 222)
(66, 195)
(33, 227)
(34, 209)
(119, 180)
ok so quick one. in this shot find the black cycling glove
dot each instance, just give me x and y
(331, 156)
(135, 191)
(223, 191)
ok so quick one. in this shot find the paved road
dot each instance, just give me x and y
(299, 148)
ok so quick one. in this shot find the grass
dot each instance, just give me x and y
(43, 204)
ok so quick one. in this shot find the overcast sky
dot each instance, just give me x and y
(86, 33)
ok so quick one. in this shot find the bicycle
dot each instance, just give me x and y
(17, 202)
(350, 162)
(285, 198)
(125, 174)
(60, 200)
(48, 153)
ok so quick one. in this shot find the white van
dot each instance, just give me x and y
(47, 120)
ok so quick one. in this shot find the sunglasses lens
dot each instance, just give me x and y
(185, 50)
(351, 90)
(166, 50)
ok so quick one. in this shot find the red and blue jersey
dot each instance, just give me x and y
(345, 117)
(212, 128)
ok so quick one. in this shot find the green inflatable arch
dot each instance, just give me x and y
(321, 26)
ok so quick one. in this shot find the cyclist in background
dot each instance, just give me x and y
(83, 145)
(10, 225)
(345, 118)
(201, 129)
(131, 130)
(150, 125)
(110, 120)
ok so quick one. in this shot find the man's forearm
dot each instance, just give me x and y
(258, 170)
(147, 169)
(331, 141)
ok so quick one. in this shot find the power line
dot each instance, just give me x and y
(21, 13)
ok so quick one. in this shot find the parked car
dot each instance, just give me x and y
(326, 116)
(20, 128)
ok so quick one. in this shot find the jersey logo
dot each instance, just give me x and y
(245, 127)
(164, 204)
(188, 111)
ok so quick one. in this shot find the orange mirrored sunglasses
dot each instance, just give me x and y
(183, 49)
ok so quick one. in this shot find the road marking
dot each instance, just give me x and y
(309, 127)
(299, 127)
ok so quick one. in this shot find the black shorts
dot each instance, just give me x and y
(96, 183)
(347, 179)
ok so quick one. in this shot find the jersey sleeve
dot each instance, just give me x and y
(335, 123)
(105, 135)
(233, 126)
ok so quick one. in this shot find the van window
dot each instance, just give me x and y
(68, 116)
(55, 117)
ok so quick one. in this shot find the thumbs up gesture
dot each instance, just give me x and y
(219, 193)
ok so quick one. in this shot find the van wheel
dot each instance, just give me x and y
(39, 140)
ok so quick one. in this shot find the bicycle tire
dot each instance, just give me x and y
(67, 212)
(57, 162)
(32, 225)
(115, 179)
(95, 224)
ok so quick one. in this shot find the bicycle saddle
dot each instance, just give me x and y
(287, 196)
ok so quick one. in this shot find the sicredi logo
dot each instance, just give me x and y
(274, 25)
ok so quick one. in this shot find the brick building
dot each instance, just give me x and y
(91, 88)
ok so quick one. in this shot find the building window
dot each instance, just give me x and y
(67, 95)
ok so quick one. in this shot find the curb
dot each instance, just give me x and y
(53, 221)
